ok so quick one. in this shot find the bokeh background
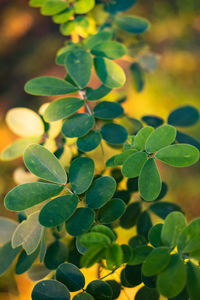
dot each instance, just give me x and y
(28, 44)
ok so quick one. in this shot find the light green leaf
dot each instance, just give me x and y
(98, 38)
(28, 234)
(36, 3)
(7, 256)
(173, 226)
(17, 148)
(77, 125)
(160, 138)
(193, 280)
(188, 240)
(181, 155)
(49, 86)
(78, 63)
(7, 227)
(149, 181)
(114, 256)
(141, 137)
(172, 280)
(29, 194)
(119, 159)
(132, 24)
(109, 49)
(93, 238)
(133, 164)
(83, 6)
(58, 210)
(52, 7)
(62, 108)
(156, 261)
(105, 230)
(63, 16)
(111, 74)
(81, 173)
(94, 254)
(42, 163)
(68, 28)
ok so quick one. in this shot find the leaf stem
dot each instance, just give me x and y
(68, 190)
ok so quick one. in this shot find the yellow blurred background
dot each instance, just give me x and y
(28, 44)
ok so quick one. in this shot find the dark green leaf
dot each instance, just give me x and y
(133, 164)
(182, 296)
(147, 293)
(139, 255)
(162, 209)
(81, 221)
(89, 142)
(114, 133)
(50, 289)
(184, 116)
(62, 108)
(58, 210)
(56, 254)
(7, 256)
(123, 279)
(118, 5)
(109, 49)
(181, 155)
(132, 184)
(81, 173)
(163, 191)
(149, 181)
(132, 24)
(132, 125)
(136, 241)
(116, 288)
(98, 38)
(188, 240)
(138, 77)
(83, 296)
(100, 92)
(193, 280)
(108, 110)
(133, 275)
(144, 224)
(29, 194)
(131, 215)
(100, 192)
(153, 121)
(110, 212)
(124, 195)
(183, 138)
(48, 86)
(77, 125)
(154, 235)
(70, 276)
(25, 261)
(127, 253)
(100, 290)
(149, 281)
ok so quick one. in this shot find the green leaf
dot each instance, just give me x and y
(77, 125)
(42, 163)
(83, 296)
(183, 138)
(138, 77)
(68, 28)
(81, 173)
(164, 208)
(144, 224)
(29, 194)
(156, 261)
(100, 192)
(25, 261)
(57, 253)
(116, 288)
(109, 49)
(141, 137)
(37, 272)
(17, 148)
(139, 255)
(63, 16)
(62, 108)
(154, 235)
(133, 164)
(181, 155)
(100, 92)
(93, 238)
(98, 38)
(108, 110)
(114, 256)
(131, 215)
(132, 24)
(94, 254)
(173, 226)
(114, 134)
(99, 290)
(127, 253)
(28, 234)
(78, 63)
(193, 280)
(147, 293)
(160, 138)
(89, 141)
(152, 120)
(52, 7)
(70, 276)
(137, 240)
(172, 280)
(7, 256)
(50, 289)
(149, 181)
(184, 116)
(111, 74)
(133, 275)
(81, 221)
(7, 227)
(110, 212)
(132, 125)
(49, 86)
(36, 3)
(105, 230)
(58, 210)
(119, 159)
(188, 240)
(83, 6)
(118, 5)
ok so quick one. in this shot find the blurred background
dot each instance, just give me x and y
(28, 44)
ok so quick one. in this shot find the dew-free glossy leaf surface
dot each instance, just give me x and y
(25, 261)
(105, 230)
(42, 163)
(149, 181)
(89, 141)
(93, 238)
(52, 7)
(188, 240)
(110, 212)
(48, 86)
(78, 63)
(81, 221)
(50, 289)
(56, 254)
(162, 209)
(160, 138)
(77, 125)
(108, 110)
(130, 215)
(156, 261)
(111, 74)
(180, 155)
(109, 49)
(83, 6)
(62, 108)
(134, 164)
(100, 192)
(81, 173)
(114, 133)
(114, 256)
(193, 280)
(70, 276)
(147, 293)
(7, 256)
(29, 194)
(118, 5)
(99, 290)
(141, 137)
(7, 227)
(184, 116)
(98, 38)
(58, 210)
(132, 24)
(83, 296)
(98, 93)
